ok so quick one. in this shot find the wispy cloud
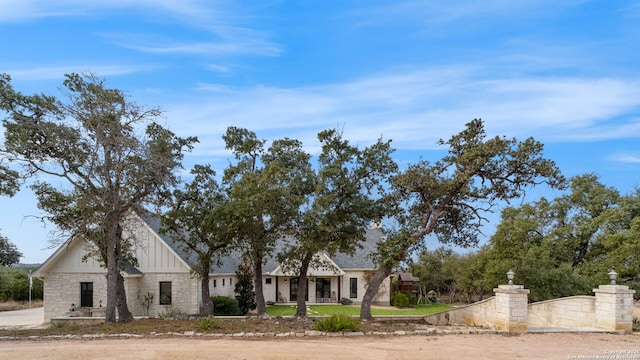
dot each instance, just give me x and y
(230, 33)
(57, 72)
(418, 108)
(433, 12)
(626, 158)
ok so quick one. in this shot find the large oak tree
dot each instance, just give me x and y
(198, 221)
(347, 195)
(107, 153)
(266, 188)
(449, 199)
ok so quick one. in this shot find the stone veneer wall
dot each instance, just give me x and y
(63, 289)
(574, 311)
(184, 290)
(482, 314)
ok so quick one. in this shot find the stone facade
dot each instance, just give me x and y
(569, 312)
(614, 307)
(481, 314)
(509, 311)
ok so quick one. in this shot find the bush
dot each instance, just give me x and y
(401, 300)
(345, 301)
(223, 305)
(171, 313)
(208, 323)
(337, 323)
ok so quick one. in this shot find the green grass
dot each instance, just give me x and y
(328, 310)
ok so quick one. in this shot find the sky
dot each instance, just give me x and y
(413, 71)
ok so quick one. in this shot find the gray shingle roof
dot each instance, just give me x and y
(229, 262)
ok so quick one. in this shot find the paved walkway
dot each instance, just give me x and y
(28, 318)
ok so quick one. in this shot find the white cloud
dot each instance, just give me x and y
(626, 158)
(57, 72)
(231, 33)
(416, 109)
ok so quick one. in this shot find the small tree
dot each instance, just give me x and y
(9, 254)
(246, 296)
(196, 221)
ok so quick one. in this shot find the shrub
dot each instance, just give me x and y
(244, 287)
(208, 323)
(345, 301)
(401, 300)
(223, 305)
(170, 313)
(337, 323)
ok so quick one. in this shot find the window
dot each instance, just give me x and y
(86, 294)
(267, 281)
(353, 288)
(222, 282)
(165, 292)
(215, 283)
(230, 281)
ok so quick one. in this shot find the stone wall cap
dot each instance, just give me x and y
(614, 289)
(511, 289)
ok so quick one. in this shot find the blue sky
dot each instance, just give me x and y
(414, 71)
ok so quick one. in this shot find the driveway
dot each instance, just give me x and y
(29, 318)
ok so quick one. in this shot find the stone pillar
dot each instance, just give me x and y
(614, 307)
(511, 308)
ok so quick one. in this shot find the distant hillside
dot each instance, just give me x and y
(25, 266)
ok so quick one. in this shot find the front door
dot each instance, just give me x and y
(293, 290)
(86, 294)
(323, 289)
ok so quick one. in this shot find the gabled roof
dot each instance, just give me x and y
(408, 277)
(153, 222)
(360, 259)
(323, 266)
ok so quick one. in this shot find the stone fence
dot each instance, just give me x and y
(508, 311)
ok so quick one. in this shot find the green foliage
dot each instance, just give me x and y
(9, 253)
(14, 285)
(449, 199)
(90, 139)
(223, 305)
(244, 288)
(401, 300)
(9, 184)
(170, 312)
(337, 323)
(266, 190)
(208, 323)
(196, 221)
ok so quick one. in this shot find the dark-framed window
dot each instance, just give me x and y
(165, 292)
(215, 283)
(86, 294)
(267, 281)
(222, 282)
(353, 288)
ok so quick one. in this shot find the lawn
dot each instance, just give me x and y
(327, 310)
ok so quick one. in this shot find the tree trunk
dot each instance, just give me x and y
(207, 304)
(261, 307)
(124, 315)
(372, 289)
(302, 286)
(112, 282)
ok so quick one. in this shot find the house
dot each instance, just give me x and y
(164, 278)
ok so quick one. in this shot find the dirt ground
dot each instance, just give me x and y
(475, 346)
